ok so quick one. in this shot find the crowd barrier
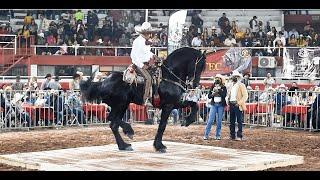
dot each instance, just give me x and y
(272, 108)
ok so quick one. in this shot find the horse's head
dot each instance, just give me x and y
(188, 64)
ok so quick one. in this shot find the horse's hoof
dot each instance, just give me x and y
(162, 150)
(130, 136)
(188, 123)
(129, 148)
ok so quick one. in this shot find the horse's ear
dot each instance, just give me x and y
(204, 52)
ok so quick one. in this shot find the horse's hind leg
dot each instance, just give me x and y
(115, 118)
(166, 111)
(127, 129)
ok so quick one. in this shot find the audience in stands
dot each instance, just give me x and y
(246, 80)
(292, 41)
(17, 85)
(301, 42)
(55, 85)
(254, 25)
(315, 41)
(294, 87)
(225, 31)
(33, 83)
(75, 82)
(21, 114)
(268, 81)
(222, 21)
(230, 41)
(57, 27)
(307, 29)
(196, 41)
(45, 84)
(197, 22)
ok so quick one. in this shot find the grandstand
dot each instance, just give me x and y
(242, 17)
(21, 59)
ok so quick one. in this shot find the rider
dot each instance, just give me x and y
(141, 55)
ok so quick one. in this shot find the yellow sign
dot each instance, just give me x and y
(162, 54)
(214, 66)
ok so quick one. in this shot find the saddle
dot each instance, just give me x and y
(131, 76)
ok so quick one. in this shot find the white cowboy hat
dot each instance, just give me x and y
(8, 88)
(99, 41)
(282, 86)
(41, 35)
(221, 77)
(84, 40)
(146, 27)
(236, 73)
(80, 73)
(269, 33)
(99, 74)
(213, 27)
(270, 89)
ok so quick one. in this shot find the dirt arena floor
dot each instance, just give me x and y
(293, 142)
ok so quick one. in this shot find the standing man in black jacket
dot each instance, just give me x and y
(92, 23)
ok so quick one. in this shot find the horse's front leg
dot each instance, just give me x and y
(166, 111)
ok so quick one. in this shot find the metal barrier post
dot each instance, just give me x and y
(15, 45)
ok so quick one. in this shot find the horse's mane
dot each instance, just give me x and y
(184, 56)
(182, 63)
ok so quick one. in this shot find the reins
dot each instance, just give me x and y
(185, 84)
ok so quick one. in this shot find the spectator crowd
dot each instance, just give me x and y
(71, 28)
(256, 34)
(66, 28)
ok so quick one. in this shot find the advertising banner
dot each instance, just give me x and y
(225, 61)
(176, 24)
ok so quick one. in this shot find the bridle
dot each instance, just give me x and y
(183, 84)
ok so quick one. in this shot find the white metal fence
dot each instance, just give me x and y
(87, 50)
(38, 109)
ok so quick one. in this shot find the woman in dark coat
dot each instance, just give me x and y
(218, 93)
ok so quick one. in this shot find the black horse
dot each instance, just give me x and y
(181, 66)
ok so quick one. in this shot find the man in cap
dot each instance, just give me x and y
(237, 97)
(17, 85)
(222, 20)
(141, 55)
(268, 81)
(45, 84)
(55, 85)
